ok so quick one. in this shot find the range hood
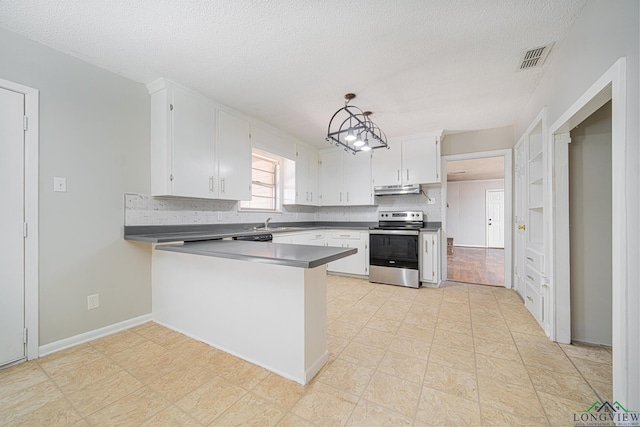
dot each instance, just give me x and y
(391, 190)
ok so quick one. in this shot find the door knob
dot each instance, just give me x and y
(521, 227)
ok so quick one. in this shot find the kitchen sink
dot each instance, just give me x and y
(274, 228)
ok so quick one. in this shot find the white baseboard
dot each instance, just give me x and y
(92, 335)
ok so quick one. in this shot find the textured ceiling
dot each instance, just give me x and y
(475, 169)
(418, 65)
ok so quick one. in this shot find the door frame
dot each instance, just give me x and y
(611, 86)
(508, 207)
(31, 280)
(486, 212)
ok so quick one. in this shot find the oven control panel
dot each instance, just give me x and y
(405, 216)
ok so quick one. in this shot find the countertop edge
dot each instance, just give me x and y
(200, 233)
(287, 262)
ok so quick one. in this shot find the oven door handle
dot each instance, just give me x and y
(396, 232)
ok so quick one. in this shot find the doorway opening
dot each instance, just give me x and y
(475, 220)
(609, 88)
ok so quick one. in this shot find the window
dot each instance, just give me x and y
(264, 183)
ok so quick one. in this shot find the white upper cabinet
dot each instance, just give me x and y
(414, 160)
(357, 179)
(182, 144)
(302, 187)
(345, 179)
(421, 160)
(331, 179)
(234, 157)
(386, 165)
(197, 150)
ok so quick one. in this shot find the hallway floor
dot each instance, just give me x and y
(457, 355)
(482, 266)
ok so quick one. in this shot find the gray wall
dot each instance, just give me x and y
(466, 211)
(94, 130)
(603, 32)
(590, 235)
(477, 141)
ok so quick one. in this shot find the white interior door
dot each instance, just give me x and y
(495, 218)
(12, 345)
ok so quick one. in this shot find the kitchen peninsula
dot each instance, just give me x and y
(263, 302)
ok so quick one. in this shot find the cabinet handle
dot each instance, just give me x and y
(529, 298)
(530, 278)
(222, 186)
(347, 197)
(398, 175)
(210, 184)
(312, 196)
(307, 196)
(344, 235)
(521, 227)
(341, 197)
(407, 174)
(529, 258)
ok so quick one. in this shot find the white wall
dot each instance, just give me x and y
(94, 130)
(466, 211)
(591, 233)
(603, 32)
(479, 140)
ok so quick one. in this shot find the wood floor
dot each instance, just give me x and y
(476, 265)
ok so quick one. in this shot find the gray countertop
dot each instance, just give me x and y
(198, 232)
(302, 256)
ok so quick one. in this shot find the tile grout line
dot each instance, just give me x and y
(424, 377)
(544, 410)
(580, 372)
(360, 397)
(475, 356)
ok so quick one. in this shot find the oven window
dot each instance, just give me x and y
(391, 250)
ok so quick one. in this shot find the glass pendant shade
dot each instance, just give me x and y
(350, 136)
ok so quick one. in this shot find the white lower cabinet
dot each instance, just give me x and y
(357, 264)
(534, 295)
(430, 257)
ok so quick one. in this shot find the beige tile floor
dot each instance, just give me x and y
(457, 355)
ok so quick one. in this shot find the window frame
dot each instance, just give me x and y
(276, 186)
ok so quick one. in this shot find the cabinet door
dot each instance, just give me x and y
(353, 264)
(429, 264)
(386, 165)
(302, 176)
(420, 161)
(193, 163)
(313, 178)
(331, 178)
(234, 158)
(357, 179)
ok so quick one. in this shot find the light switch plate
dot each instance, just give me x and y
(60, 184)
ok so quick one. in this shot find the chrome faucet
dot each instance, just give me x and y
(266, 223)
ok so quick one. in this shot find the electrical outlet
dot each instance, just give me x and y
(93, 301)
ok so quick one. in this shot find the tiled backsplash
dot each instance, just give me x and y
(146, 210)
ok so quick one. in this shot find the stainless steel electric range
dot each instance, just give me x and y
(393, 248)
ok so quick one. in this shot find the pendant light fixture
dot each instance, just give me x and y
(352, 129)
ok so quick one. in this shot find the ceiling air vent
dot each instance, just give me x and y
(534, 57)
